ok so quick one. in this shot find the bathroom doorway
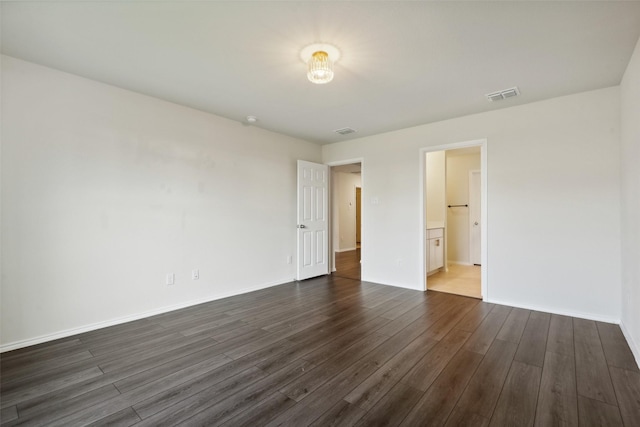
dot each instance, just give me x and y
(453, 208)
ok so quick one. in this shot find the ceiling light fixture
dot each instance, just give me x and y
(320, 68)
(320, 58)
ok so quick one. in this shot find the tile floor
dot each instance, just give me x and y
(460, 280)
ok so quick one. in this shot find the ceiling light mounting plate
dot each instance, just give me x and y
(307, 52)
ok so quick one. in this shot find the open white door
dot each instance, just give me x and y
(475, 217)
(313, 225)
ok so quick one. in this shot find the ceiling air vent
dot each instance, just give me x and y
(344, 131)
(503, 94)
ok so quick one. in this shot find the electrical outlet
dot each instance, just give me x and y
(289, 259)
(195, 274)
(171, 279)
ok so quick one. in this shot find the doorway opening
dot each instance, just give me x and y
(346, 224)
(454, 215)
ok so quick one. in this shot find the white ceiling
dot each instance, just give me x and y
(403, 63)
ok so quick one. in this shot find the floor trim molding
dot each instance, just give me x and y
(570, 313)
(459, 262)
(635, 348)
(129, 318)
(346, 249)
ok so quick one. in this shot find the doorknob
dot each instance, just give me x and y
(475, 223)
(302, 226)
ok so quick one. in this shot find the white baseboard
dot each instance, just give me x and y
(99, 325)
(635, 348)
(437, 270)
(346, 249)
(395, 285)
(578, 314)
(458, 262)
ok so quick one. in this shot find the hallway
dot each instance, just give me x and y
(348, 264)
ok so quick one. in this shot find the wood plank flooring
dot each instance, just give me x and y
(348, 264)
(330, 351)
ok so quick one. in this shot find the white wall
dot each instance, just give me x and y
(435, 188)
(553, 202)
(345, 199)
(104, 191)
(458, 168)
(630, 154)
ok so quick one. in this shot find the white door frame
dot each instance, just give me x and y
(422, 249)
(332, 253)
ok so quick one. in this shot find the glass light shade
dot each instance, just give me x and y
(320, 68)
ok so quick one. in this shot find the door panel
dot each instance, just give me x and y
(320, 247)
(474, 217)
(307, 242)
(312, 220)
(320, 203)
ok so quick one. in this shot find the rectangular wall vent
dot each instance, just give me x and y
(503, 94)
(344, 131)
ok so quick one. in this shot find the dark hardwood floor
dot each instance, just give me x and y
(348, 264)
(330, 351)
